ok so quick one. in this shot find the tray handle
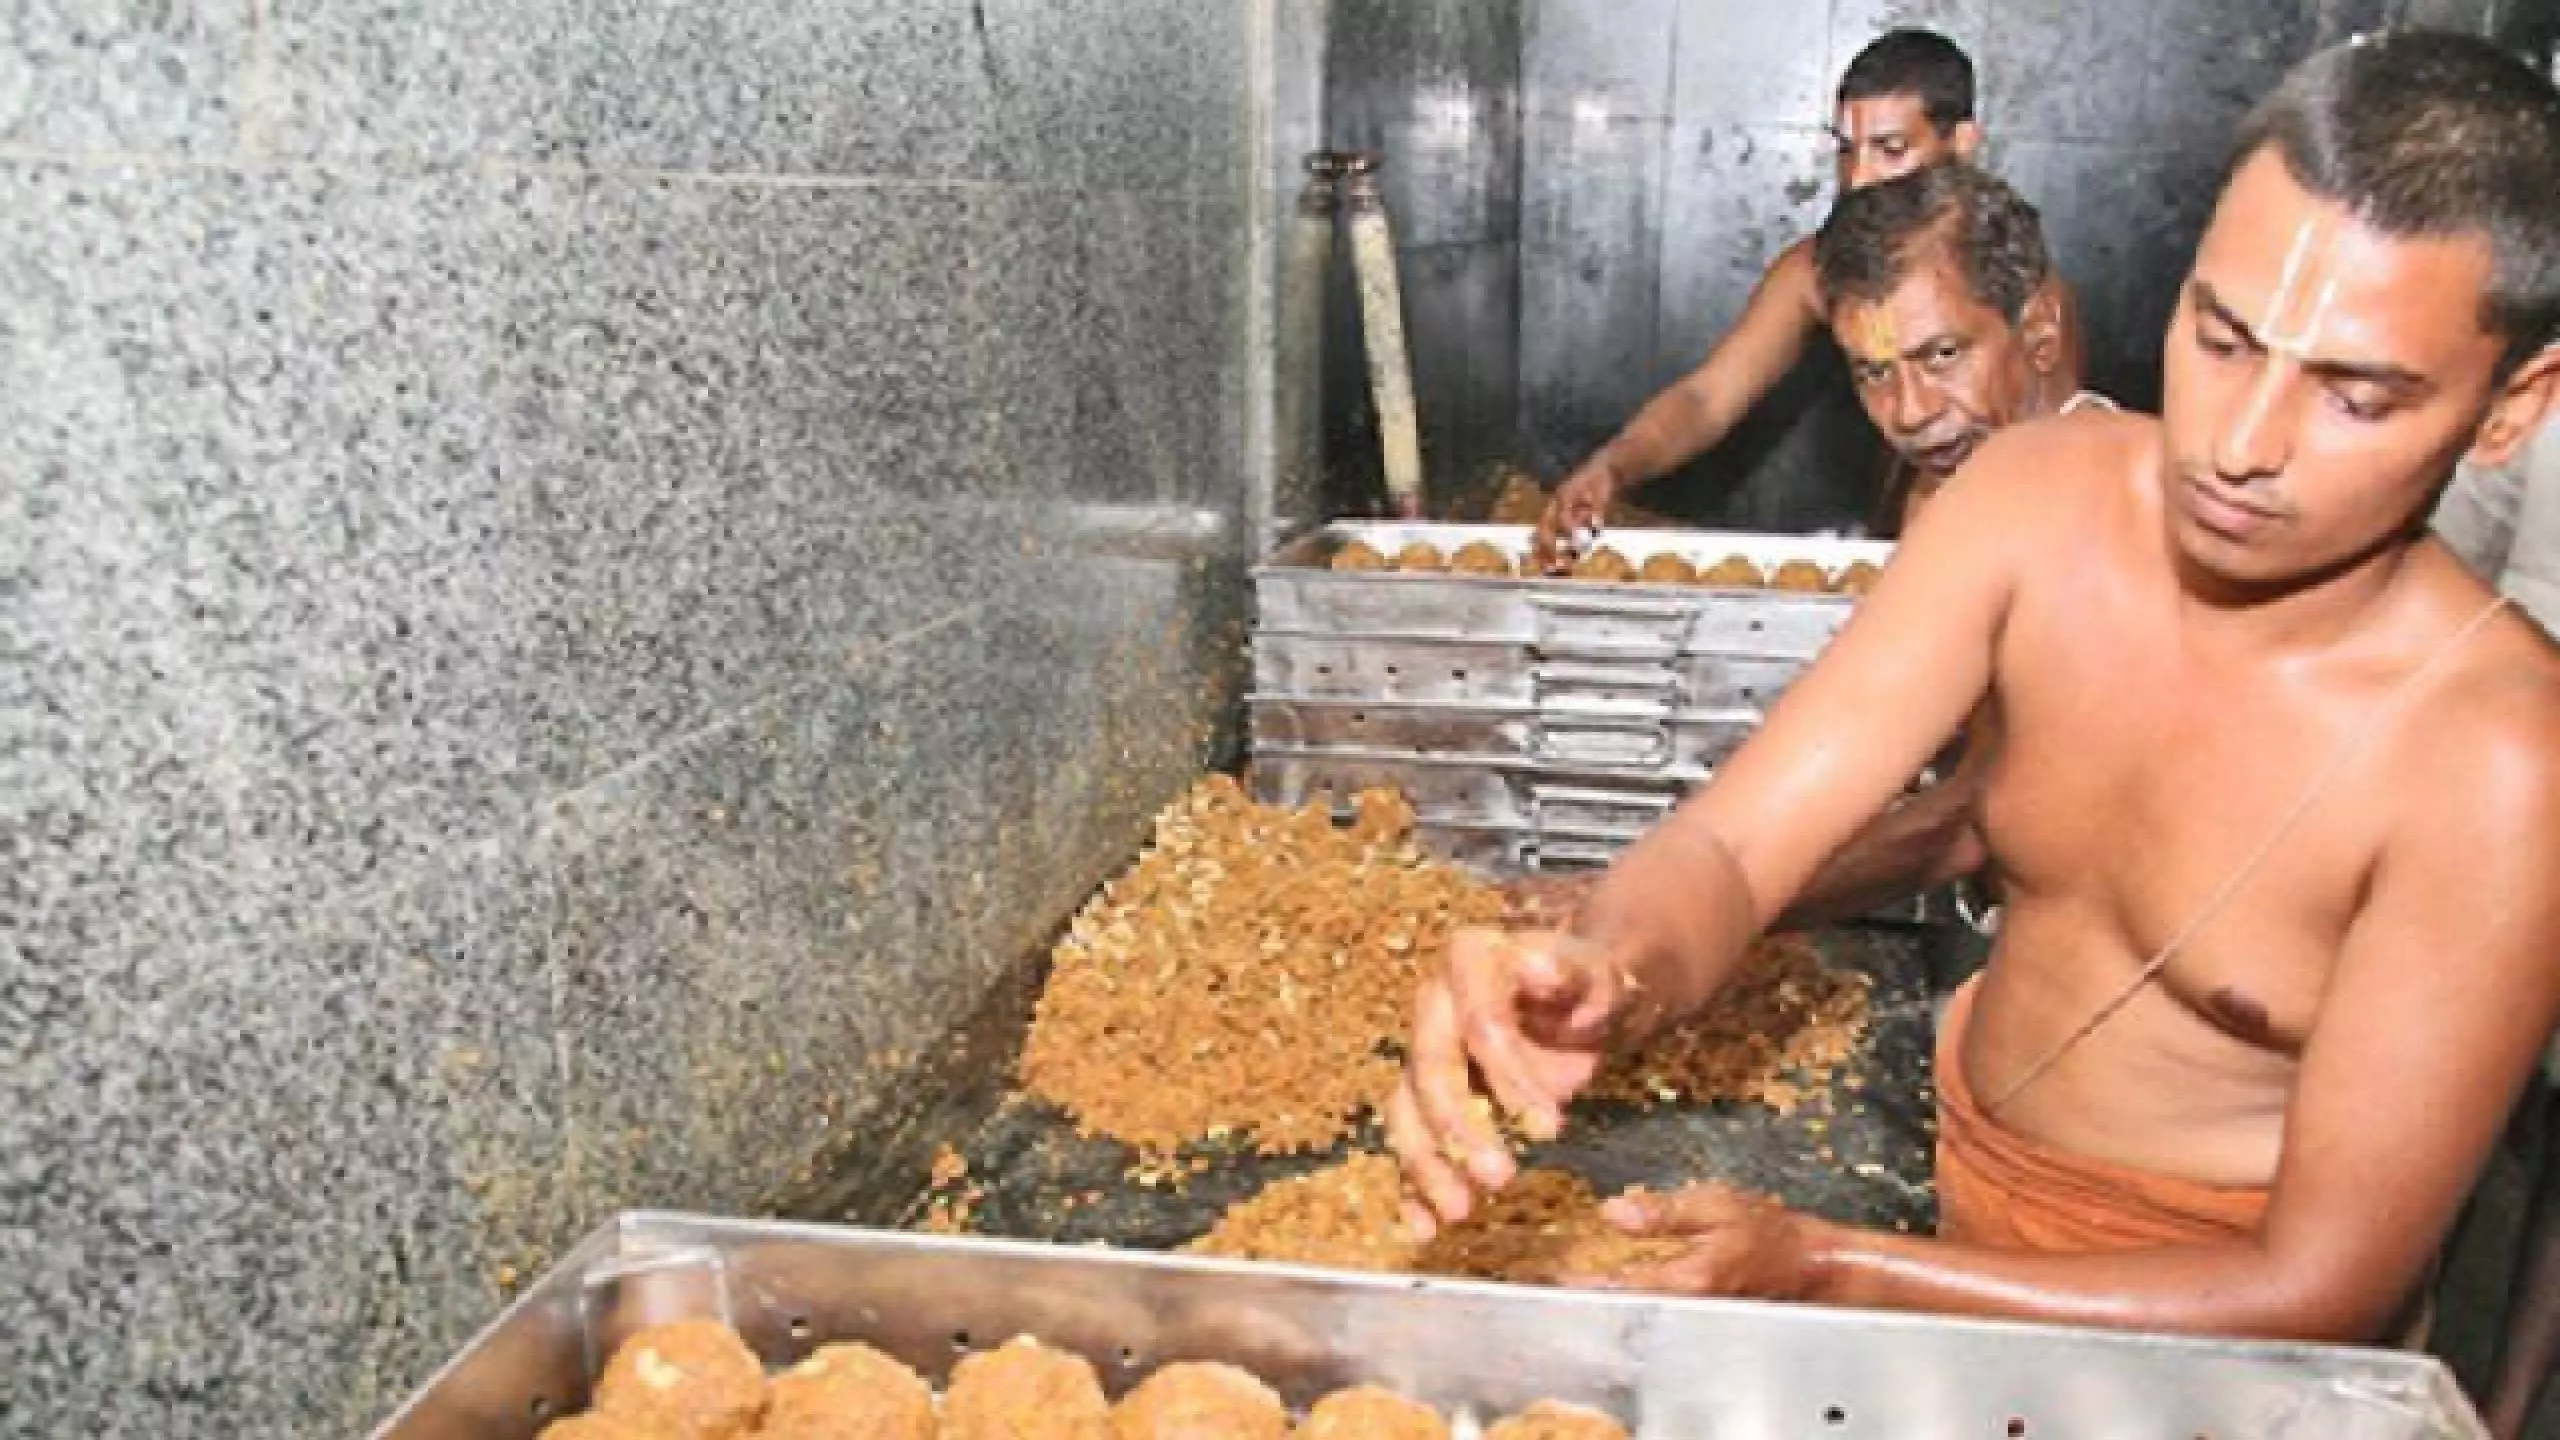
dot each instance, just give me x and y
(1640, 687)
(1552, 738)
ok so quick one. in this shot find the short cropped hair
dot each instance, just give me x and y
(1878, 234)
(2430, 134)
(1919, 63)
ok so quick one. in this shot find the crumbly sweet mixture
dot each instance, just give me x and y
(1250, 977)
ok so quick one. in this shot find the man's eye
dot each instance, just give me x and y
(1895, 149)
(1942, 357)
(2217, 345)
(1873, 374)
(2362, 408)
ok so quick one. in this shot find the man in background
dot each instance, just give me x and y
(1938, 289)
(1905, 104)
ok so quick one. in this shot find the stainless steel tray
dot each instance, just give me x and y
(1475, 789)
(1505, 851)
(1498, 672)
(1671, 1369)
(1297, 591)
(1625, 734)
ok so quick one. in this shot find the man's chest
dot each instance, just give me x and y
(2142, 803)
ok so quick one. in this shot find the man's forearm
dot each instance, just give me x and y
(1673, 428)
(2234, 1289)
(1676, 917)
(1680, 916)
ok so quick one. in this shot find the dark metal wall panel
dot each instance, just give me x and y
(1743, 62)
(1590, 270)
(1609, 59)
(1434, 87)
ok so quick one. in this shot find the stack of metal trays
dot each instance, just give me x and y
(1536, 723)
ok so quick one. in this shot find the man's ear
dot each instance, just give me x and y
(1965, 139)
(2523, 407)
(2040, 329)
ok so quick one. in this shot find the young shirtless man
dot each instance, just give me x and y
(2275, 801)
(1905, 104)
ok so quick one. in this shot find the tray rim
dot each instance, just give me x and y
(2416, 1382)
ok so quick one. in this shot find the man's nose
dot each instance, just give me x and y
(2255, 437)
(1917, 404)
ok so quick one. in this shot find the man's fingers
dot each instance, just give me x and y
(1420, 1225)
(1426, 1168)
(1546, 977)
(1544, 555)
(1512, 1075)
(1692, 1210)
(1569, 516)
(1575, 994)
(1437, 1077)
(1694, 1271)
(1489, 1017)
(1632, 1212)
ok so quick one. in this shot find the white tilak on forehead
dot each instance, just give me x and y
(2295, 344)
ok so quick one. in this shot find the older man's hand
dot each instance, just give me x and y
(1577, 508)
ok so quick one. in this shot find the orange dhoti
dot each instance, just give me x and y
(2003, 1191)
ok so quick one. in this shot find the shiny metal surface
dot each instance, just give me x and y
(1498, 816)
(1297, 592)
(1443, 789)
(1637, 737)
(1434, 87)
(1504, 672)
(1533, 722)
(1670, 1369)
(1504, 852)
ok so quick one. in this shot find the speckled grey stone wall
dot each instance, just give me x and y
(575, 580)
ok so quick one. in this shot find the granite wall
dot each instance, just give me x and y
(576, 580)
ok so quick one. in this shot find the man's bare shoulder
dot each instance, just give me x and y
(2483, 750)
(2061, 473)
(1795, 275)
(2503, 696)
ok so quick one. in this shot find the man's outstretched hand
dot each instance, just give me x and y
(1532, 1013)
